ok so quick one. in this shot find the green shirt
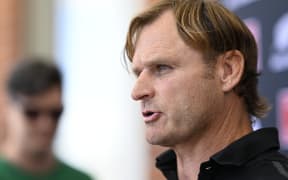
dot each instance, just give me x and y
(61, 172)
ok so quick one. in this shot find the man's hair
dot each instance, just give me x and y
(33, 76)
(209, 27)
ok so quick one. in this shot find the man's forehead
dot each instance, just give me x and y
(36, 100)
(163, 26)
(157, 36)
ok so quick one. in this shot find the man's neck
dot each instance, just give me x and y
(231, 126)
(36, 162)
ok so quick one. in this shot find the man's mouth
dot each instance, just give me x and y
(150, 116)
(147, 113)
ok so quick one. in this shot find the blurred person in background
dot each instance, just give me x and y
(34, 108)
(195, 64)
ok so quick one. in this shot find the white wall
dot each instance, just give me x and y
(100, 131)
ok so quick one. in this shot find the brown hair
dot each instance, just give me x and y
(209, 27)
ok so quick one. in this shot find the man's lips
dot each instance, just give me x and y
(150, 116)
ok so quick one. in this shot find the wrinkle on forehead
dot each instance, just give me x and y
(160, 36)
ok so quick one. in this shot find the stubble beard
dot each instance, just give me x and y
(190, 130)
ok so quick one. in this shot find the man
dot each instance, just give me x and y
(33, 112)
(196, 79)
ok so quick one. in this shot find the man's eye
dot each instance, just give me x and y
(162, 68)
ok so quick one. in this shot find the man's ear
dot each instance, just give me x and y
(230, 67)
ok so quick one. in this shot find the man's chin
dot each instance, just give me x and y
(160, 141)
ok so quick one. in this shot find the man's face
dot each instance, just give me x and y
(179, 98)
(32, 120)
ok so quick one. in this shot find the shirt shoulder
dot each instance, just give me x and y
(268, 166)
(68, 172)
(10, 172)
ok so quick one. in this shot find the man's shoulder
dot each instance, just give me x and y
(271, 165)
(267, 166)
(254, 156)
(71, 172)
(4, 168)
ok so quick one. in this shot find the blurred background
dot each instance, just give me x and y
(101, 131)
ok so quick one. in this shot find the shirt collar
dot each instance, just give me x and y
(237, 153)
(166, 160)
(167, 163)
(248, 147)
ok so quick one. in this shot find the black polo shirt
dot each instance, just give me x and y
(253, 157)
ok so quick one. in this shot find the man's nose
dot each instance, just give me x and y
(143, 87)
(46, 121)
